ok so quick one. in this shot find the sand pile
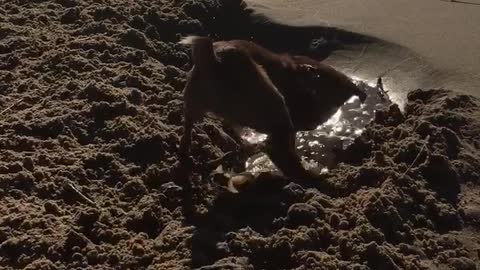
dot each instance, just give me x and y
(96, 94)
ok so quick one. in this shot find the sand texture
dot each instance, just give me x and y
(90, 119)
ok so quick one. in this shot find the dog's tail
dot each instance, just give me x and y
(202, 50)
(189, 40)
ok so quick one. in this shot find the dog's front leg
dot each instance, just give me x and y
(281, 151)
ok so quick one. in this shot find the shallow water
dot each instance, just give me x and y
(316, 147)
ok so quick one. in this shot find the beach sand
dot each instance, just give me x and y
(90, 120)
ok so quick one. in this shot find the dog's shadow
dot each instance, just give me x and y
(256, 207)
(262, 207)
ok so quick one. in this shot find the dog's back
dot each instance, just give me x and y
(311, 96)
(235, 87)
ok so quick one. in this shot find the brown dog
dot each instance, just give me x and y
(250, 86)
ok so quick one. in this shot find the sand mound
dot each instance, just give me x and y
(96, 94)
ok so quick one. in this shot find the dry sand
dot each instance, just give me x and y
(90, 98)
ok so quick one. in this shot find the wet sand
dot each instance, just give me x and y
(90, 120)
(440, 36)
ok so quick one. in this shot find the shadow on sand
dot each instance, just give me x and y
(235, 20)
(462, 2)
(262, 207)
(256, 208)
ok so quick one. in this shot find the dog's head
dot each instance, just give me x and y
(328, 83)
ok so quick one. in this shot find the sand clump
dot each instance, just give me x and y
(101, 111)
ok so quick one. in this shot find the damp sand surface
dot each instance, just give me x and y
(90, 120)
(433, 30)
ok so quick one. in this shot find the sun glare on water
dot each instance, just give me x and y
(316, 147)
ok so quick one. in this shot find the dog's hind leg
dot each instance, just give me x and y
(186, 140)
(204, 62)
(192, 112)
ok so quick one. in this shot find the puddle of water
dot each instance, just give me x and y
(316, 146)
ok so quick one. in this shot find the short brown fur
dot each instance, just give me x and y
(251, 86)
